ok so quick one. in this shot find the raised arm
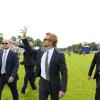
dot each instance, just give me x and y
(24, 31)
(29, 51)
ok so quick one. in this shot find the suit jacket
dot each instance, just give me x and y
(12, 64)
(28, 60)
(57, 64)
(95, 61)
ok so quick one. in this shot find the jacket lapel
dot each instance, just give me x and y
(1, 54)
(9, 53)
(53, 57)
(39, 57)
(42, 51)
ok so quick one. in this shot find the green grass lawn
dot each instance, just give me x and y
(79, 88)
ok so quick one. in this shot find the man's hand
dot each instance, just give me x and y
(61, 94)
(23, 31)
(89, 77)
(11, 79)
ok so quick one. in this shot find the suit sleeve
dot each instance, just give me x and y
(16, 65)
(63, 70)
(92, 65)
(29, 51)
(21, 46)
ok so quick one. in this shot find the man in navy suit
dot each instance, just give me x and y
(29, 64)
(50, 66)
(8, 69)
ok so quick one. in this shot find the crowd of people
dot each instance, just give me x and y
(48, 62)
(49, 65)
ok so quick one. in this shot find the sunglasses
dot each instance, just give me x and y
(4, 43)
(46, 39)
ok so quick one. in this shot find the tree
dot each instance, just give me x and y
(1, 37)
(94, 46)
(13, 38)
(19, 37)
(76, 48)
(38, 43)
(30, 39)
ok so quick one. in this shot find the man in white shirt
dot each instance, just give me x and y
(50, 65)
(8, 69)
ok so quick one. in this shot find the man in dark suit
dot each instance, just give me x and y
(8, 69)
(29, 64)
(50, 66)
(96, 61)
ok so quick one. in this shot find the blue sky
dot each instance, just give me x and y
(73, 21)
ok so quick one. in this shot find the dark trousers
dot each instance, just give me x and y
(29, 76)
(97, 95)
(12, 86)
(45, 90)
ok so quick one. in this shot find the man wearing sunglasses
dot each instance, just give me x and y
(8, 69)
(50, 67)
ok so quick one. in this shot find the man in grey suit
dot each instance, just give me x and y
(50, 67)
(8, 69)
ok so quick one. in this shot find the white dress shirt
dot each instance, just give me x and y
(3, 70)
(50, 52)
